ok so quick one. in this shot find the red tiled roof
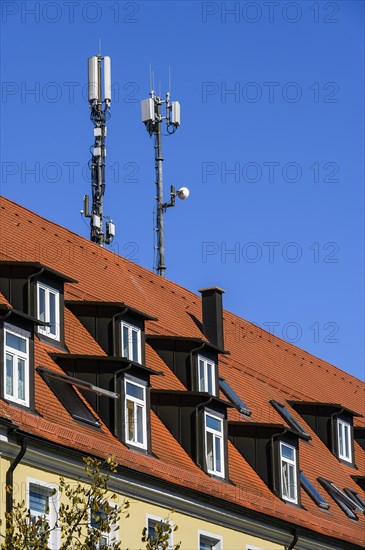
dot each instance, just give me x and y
(260, 367)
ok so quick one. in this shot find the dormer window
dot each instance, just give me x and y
(288, 472)
(16, 365)
(207, 382)
(135, 413)
(344, 437)
(48, 310)
(131, 342)
(214, 451)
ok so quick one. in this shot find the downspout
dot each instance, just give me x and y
(293, 542)
(334, 436)
(10, 479)
(117, 402)
(273, 469)
(31, 276)
(115, 351)
(201, 405)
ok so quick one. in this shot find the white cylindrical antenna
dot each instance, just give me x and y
(94, 84)
(107, 79)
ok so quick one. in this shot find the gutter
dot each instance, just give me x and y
(10, 478)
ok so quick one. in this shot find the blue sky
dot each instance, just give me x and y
(271, 146)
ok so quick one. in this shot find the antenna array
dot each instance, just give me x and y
(99, 103)
(152, 117)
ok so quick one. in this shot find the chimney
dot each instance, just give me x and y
(213, 315)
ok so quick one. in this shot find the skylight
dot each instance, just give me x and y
(312, 492)
(233, 397)
(293, 422)
(345, 502)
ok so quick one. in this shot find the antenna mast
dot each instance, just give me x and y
(99, 104)
(152, 117)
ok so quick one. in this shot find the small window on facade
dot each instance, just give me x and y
(135, 414)
(42, 506)
(158, 526)
(233, 397)
(48, 310)
(288, 469)
(344, 501)
(131, 342)
(16, 365)
(214, 450)
(293, 422)
(206, 374)
(209, 542)
(344, 438)
(98, 519)
(312, 492)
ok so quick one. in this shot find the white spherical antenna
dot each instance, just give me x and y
(183, 193)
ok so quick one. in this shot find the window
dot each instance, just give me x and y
(288, 469)
(293, 422)
(233, 397)
(131, 342)
(214, 445)
(16, 365)
(312, 492)
(100, 518)
(42, 503)
(356, 498)
(344, 501)
(207, 541)
(48, 310)
(155, 524)
(135, 414)
(344, 440)
(206, 374)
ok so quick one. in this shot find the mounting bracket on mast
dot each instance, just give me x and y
(99, 94)
(152, 117)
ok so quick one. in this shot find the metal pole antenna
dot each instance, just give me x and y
(153, 118)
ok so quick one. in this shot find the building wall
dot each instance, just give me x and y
(130, 531)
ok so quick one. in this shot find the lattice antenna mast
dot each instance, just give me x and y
(153, 118)
(98, 82)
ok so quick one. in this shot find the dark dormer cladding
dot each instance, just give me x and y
(359, 435)
(333, 424)
(212, 313)
(272, 450)
(37, 290)
(117, 375)
(198, 421)
(188, 358)
(103, 320)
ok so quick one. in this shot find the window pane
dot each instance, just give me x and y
(125, 342)
(21, 382)
(135, 346)
(9, 375)
(210, 465)
(201, 376)
(340, 438)
(284, 467)
(139, 424)
(291, 482)
(218, 460)
(287, 452)
(41, 304)
(52, 313)
(134, 391)
(130, 420)
(346, 439)
(38, 503)
(210, 377)
(16, 342)
(213, 423)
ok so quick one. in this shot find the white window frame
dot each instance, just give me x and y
(113, 535)
(342, 428)
(46, 329)
(290, 464)
(217, 540)
(208, 363)
(130, 341)
(217, 435)
(16, 354)
(158, 519)
(52, 516)
(137, 403)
